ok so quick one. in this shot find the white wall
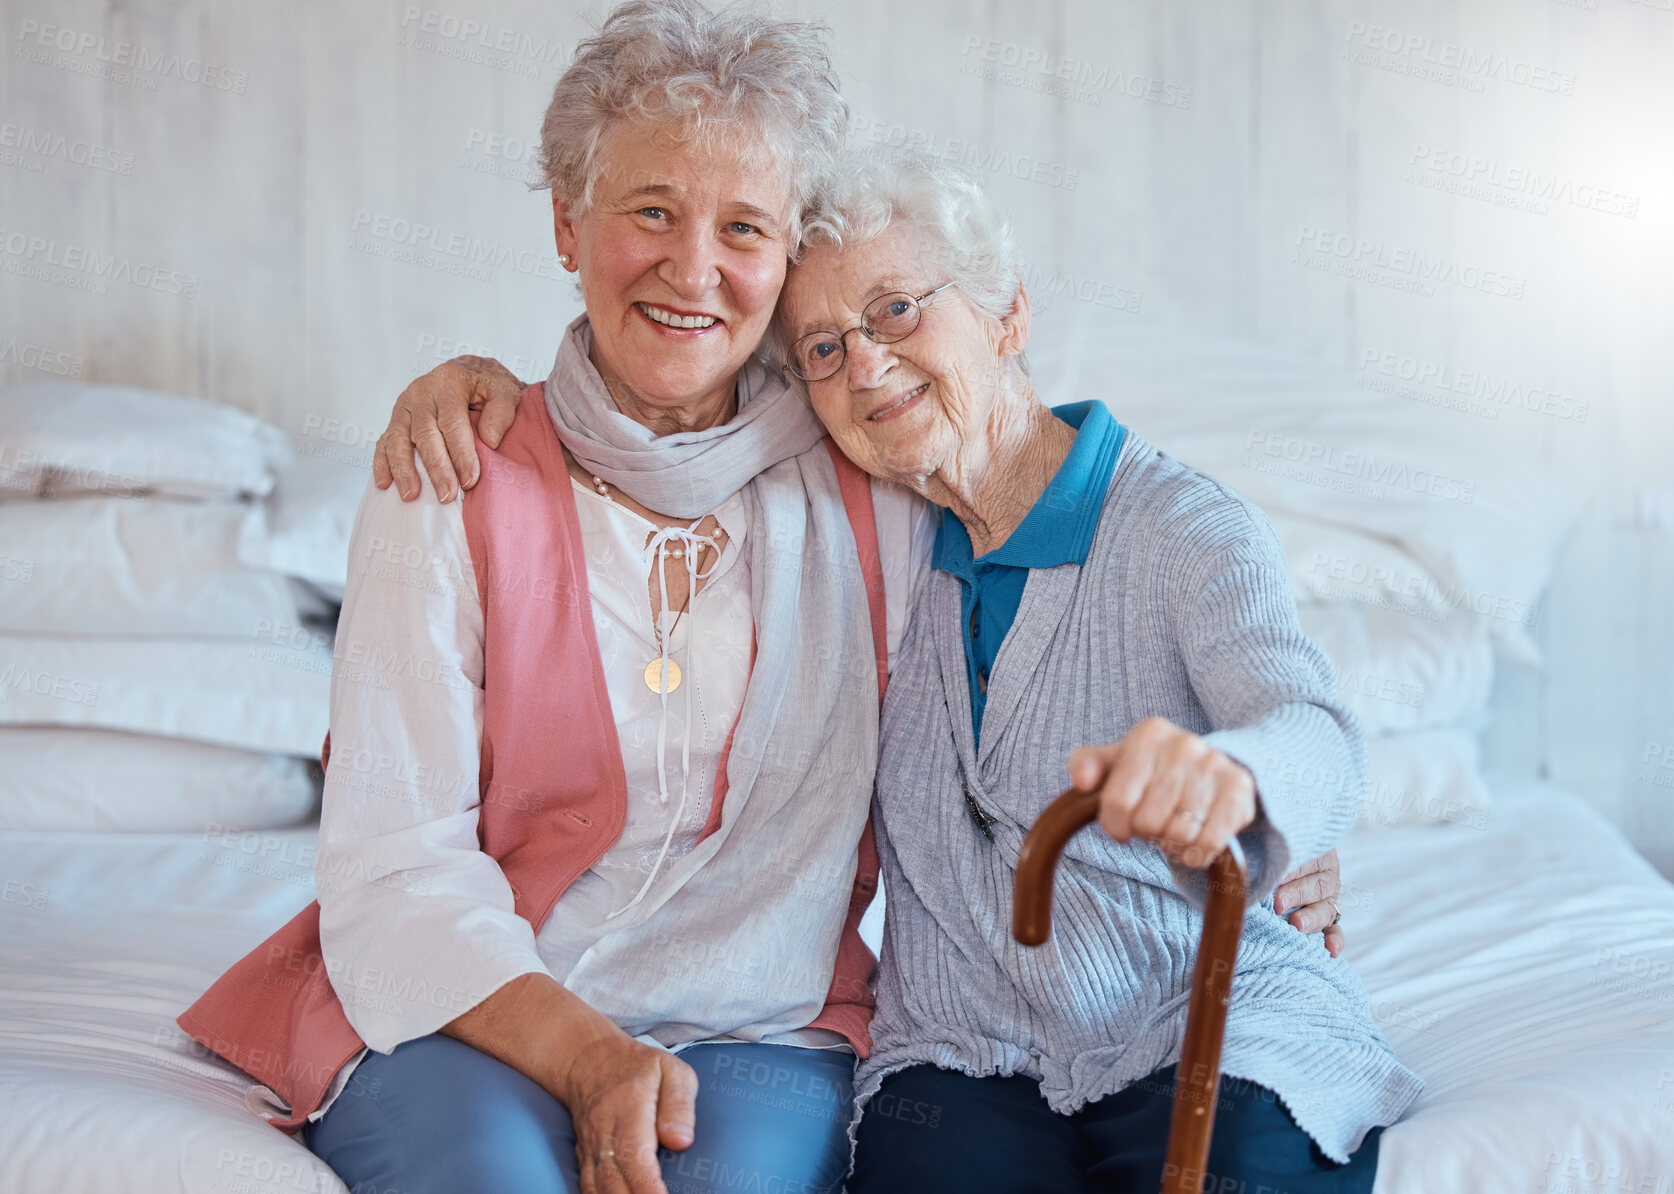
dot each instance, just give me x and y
(269, 156)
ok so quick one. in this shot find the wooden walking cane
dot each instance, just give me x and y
(1197, 1079)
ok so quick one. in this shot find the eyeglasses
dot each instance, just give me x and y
(886, 319)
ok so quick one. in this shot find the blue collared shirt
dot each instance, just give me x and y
(1057, 530)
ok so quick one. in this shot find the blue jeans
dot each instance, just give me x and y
(928, 1131)
(437, 1116)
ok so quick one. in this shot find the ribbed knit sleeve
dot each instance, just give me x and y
(1270, 695)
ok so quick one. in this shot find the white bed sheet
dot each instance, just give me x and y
(1523, 969)
(104, 939)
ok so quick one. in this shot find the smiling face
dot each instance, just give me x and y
(908, 410)
(681, 256)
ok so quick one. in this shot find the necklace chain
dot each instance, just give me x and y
(662, 674)
(603, 487)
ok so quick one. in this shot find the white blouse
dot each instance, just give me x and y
(417, 924)
(682, 732)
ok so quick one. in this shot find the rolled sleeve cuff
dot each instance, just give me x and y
(1284, 813)
(392, 1000)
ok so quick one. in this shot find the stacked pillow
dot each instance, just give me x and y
(157, 672)
(1420, 539)
(1420, 687)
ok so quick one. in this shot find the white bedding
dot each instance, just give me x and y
(1491, 956)
(104, 939)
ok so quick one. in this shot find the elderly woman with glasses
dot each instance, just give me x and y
(1085, 586)
(1084, 589)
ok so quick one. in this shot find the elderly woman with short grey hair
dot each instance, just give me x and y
(1085, 586)
(593, 846)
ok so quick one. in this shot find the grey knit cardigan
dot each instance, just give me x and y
(1183, 610)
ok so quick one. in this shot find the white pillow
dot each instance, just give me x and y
(1337, 563)
(309, 516)
(1399, 671)
(1332, 563)
(98, 781)
(269, 692)
(64, 437)
(1483, 518)
(1432, 777)
(127, 566)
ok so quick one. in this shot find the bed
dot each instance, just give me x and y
(1523, 968)
(1518, 953)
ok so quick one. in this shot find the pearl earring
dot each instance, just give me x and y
(564, 260)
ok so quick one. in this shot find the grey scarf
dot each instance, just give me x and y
(775, 878)
(688, 474)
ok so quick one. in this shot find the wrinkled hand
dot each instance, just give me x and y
(1166, 785)
(432, 416)
(625, 1099)
(1309, 896)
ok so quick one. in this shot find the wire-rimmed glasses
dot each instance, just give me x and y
(886, 319)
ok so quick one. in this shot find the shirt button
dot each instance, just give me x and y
(974, 628)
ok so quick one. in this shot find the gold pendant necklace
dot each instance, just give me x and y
(659, 677)
(656, 678)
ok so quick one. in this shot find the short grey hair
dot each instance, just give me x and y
(693, 74)
(968, 240)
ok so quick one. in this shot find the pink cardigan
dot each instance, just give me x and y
(547, 730)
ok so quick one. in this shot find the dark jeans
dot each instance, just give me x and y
(931, 1130)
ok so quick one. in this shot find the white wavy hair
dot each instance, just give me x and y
(764, 85)
(965, 237)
